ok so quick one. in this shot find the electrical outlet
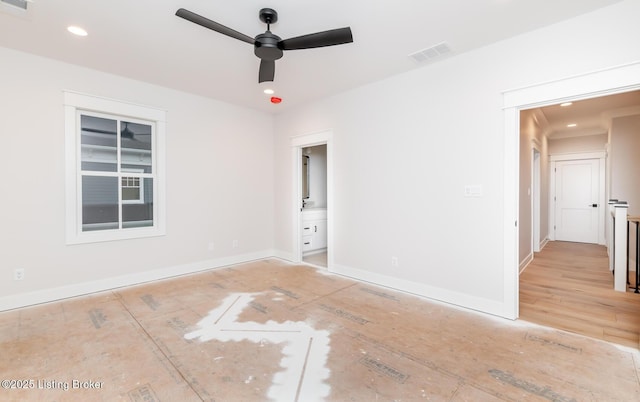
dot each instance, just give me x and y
(394, 261)
(211, 246)
(235, 244)
(18, 274)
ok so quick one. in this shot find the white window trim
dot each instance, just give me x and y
(74, 102)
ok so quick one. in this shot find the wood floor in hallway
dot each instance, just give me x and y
(569, 286)
(274, 331)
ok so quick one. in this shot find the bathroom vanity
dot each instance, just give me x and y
(314, 230)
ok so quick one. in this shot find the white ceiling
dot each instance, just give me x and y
(144, 40)
(591, 116)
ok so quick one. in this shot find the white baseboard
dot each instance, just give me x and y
(284, 255)
(523, 264)
(444, 295)
(80, 289)
(543, 243)
(64, 292)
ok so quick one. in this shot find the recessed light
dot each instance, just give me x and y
(566, 104)
(77, 30)
(269, 91)
(572, 125)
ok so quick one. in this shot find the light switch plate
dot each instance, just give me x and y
(473, 190)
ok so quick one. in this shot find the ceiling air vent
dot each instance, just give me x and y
(431, 53)
(21, 4)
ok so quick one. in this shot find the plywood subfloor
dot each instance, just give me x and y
(569, 286)
(269, 330)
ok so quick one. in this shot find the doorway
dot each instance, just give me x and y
(599, 83)
(312, 233)
(314, 204)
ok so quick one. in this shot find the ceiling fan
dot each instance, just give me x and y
(268, 46)
(126, 132)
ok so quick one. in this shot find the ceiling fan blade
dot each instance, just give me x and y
(319, 39)
(207, 23)
(98, 131)
(267, 70)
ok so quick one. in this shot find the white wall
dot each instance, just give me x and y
(219, 184)
(625, 170)
(428, 133)
(578, 144)
(625, 161)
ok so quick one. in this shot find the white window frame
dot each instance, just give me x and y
(73, 104)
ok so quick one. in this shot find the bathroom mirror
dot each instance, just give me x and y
(305, 177)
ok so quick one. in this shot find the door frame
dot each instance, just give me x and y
(297, 143)
(535, 197)
(609, 81)
(601, 157)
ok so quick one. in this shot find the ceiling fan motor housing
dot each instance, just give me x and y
(266, 46)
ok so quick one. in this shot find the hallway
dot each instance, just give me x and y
(569, 286)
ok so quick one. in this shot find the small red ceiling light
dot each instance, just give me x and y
(275, 99)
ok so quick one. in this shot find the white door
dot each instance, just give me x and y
(576, 203)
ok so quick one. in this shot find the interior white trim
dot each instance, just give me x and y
(297, 143)
(510, 213)
(608, 81)
(552, 193)
(75, 102)
(85, 288)
(612, 80)
(577, 156)
(543, 243)
(536, 191)
(444, 295)
(523, 265)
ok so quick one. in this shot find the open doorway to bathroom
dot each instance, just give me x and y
(314, 234)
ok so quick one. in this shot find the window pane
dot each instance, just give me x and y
(136, 146)
(99, 143)
(99, 203)
(140, 214)
(130, 193)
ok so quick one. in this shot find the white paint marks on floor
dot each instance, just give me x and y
(304, 353)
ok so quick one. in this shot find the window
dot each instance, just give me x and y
(132, 190)
(115, 164)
